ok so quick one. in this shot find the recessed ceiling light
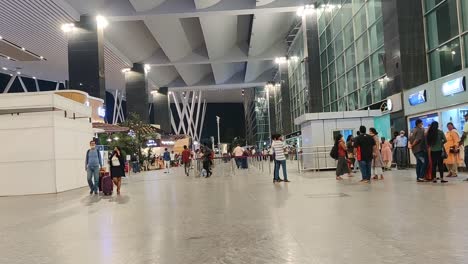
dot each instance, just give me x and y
(3, 68)
(101, 21)
(41, 57)
(34, 77)
(8, 58)
(18, 72)
(1, 37)
(23, 49)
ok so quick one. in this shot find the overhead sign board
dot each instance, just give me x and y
(454, 86)
(417, 98)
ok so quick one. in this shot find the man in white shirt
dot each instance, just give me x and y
(280, 158)
(238, 153)
(401, 150)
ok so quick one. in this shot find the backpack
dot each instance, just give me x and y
(334, 152)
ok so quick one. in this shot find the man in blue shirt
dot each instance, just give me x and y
(167, 160)
(401, 150)
(93, 165)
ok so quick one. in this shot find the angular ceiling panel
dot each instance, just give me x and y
(193, 74)
(133, 39)
(220, 33)
(163, 75)
(223, 72)
(143, 5)
(202, 4)
(256, 69)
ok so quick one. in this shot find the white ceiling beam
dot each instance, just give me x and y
(224, 8)
(212, 87)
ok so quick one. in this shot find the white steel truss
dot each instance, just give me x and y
(191, 112)
(118, 114)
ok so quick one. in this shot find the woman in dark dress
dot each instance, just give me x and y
(117, 168)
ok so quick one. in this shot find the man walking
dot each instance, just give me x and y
(167, 160)
(186, 160)
(401, 150)
(238, 153)
(92, 165)
(365, 153)
(418, 145)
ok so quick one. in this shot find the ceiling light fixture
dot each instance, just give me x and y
(41, 57)
(280, 60)
(101, 21)
(305, 10)
(124, 70)
(68, 27)
(4, 68)
(1, 37)
(23, 49)
(34, 77)
(8, 58)
(19, 73)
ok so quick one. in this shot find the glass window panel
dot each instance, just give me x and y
(445, 60)
(377, 62)
(353, 101)
(376, 35)
(350, 57)
(377, 93)
(326, 108)
(340, 66)
(342, 106)
(466, 49)
(339, 47)
(357, 4)
(333, 92)
(348, 35)
(360, 22)
(321, 24)
(364, 72)
(351, 80)
(336, 25)
(331, 72)
(341, 86)
(346, 13)
(429, 4)
(464, 14)
(365, 96)
(331, 53)
(442, 24)
(334, 107)
(362, 48)
(323, 59)
(323, 42)
(326, 96)
(374, 10)
(325, 78)
(329, 34)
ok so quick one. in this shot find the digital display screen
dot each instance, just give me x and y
(454, 86)
(427, 120)
(417, 98)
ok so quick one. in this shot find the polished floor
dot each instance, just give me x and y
(242, 218)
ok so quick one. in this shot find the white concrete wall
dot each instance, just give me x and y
(42, 153)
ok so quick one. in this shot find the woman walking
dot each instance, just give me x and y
(377, 162)
(435, 141)
(342, 166)
(117, 168)
(453, 151)
(387, 155)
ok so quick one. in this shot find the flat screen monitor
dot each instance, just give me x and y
(417, 98)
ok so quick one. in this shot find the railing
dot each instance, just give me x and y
(316, 158)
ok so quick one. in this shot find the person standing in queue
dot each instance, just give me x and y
(92, 165)
(342, 165)
(280, 158)
(464, 141)
(401, 150)
(167, 160)
(365, 146)
(418, 145)
(350, 151)
(453, 150)
(436, 140)
(186, 154)
(117, 168)
(238, 153)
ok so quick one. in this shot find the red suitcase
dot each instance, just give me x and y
(105, 183)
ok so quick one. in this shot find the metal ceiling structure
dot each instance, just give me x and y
(211, 45)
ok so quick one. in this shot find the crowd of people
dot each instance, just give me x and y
(434, 151)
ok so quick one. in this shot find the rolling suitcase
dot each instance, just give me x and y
(106, 184)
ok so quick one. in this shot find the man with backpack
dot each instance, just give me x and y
(93, 165)
(365, 153)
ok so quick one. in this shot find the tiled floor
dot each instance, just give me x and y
(242, 218)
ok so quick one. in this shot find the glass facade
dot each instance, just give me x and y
(351, 53)
(297, 75)
(256, 106)
(446, 35)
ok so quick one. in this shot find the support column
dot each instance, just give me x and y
(161, 109)
(137, 92)
(286, 99)
(86, 58)
(312, 62)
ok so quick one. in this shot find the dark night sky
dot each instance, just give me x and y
(232, 121)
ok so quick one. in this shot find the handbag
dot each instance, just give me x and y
(444, 154)
(115, 161)
(454, 150)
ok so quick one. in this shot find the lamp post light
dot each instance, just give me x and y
(219, 139)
